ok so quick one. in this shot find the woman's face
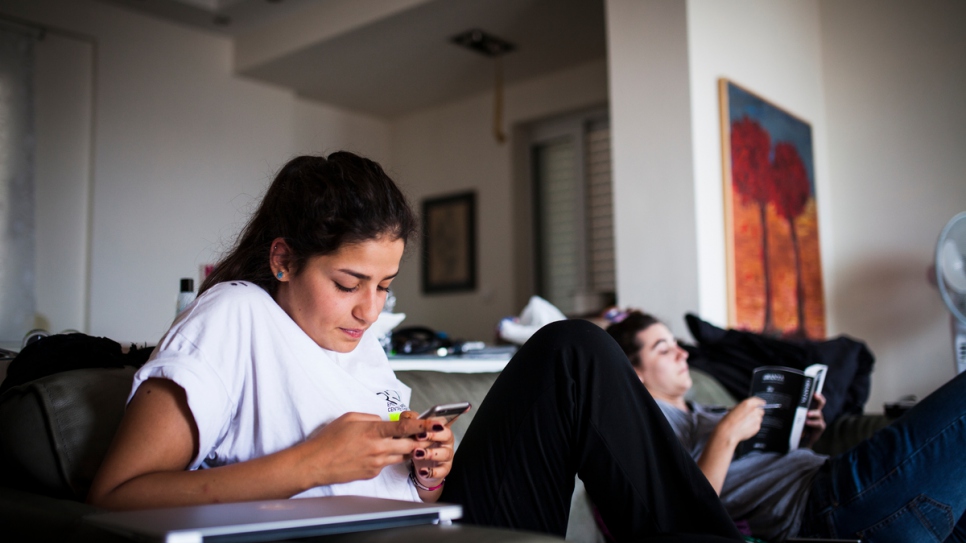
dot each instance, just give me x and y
(336, 297)
(663, 365)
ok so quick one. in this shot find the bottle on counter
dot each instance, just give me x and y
(186, 295)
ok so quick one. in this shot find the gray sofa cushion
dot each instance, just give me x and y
(707, 390)
(54, 431)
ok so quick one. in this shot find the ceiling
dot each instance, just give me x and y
(400, 61)
(227, 17)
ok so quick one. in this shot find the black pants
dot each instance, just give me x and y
(569, 403)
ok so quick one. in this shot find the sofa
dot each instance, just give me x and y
(55, 430)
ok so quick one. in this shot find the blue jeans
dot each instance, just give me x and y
(907, 483)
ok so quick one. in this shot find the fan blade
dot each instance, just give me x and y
(954, 271)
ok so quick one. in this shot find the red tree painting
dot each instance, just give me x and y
(774, 267)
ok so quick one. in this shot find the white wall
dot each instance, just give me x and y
(63, 92)
(323, 129)
(183, 150)
(773, 49)
(654, 211)
(895, 74)
(450, 149)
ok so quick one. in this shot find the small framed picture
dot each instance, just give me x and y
(449, 243)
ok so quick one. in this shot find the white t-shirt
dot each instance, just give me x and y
(257, 384)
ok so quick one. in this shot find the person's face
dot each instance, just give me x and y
(336, 297)
(663, 365)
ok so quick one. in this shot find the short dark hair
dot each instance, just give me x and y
(317, 205)
(625, 333)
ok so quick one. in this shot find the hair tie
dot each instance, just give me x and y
(412, 477)
(615, 315)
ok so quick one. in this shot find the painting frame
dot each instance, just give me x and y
(773, 255)
(449, 243)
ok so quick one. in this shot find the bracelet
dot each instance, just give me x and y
(412, 477)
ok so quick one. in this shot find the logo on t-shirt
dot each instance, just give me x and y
(394, 403)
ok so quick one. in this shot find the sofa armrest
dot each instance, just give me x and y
(56, 429)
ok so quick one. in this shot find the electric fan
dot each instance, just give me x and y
(951, 276)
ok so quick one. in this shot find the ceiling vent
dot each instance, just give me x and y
(483, 43)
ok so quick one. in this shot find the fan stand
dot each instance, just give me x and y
(959, 343)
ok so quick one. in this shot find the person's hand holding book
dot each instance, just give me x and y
(814, 421)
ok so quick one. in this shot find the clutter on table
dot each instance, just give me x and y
(537, 314)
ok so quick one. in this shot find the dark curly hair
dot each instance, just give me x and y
(625, 333)
(317, 204)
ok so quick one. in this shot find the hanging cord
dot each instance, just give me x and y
(498, 133)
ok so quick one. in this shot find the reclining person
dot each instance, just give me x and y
(905, 483)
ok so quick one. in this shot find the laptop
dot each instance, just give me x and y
(271, 519)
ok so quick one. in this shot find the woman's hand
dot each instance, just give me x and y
(814, 422)
(433, 455)
(741, 423)
(358, 446)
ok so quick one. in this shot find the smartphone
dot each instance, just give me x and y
(449, 411)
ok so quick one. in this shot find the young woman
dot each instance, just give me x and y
(268, 386)
(903, 484)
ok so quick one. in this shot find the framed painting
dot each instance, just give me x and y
(449, 243)
(771, 220)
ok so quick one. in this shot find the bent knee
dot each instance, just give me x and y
(574, 332)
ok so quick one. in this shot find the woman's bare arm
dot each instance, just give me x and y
(739, 424)
(146, 464)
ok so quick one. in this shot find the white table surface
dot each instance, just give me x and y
(450, 364)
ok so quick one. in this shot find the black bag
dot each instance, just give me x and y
(65, 352)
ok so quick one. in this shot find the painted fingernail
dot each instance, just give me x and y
(422, 436)
(419, 453)
(437, 427)
(424, 472)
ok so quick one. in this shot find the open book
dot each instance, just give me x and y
(788, 393)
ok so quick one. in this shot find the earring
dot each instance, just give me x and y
(279, 275)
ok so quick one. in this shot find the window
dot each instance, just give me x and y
(573, 211)
(17, 293)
